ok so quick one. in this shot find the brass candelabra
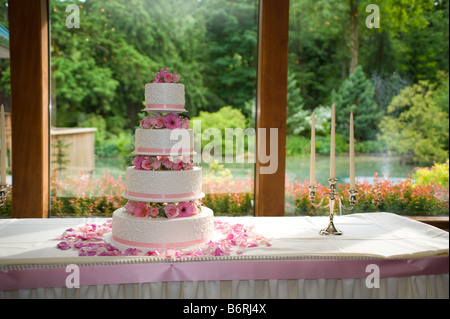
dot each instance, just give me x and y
(333, 197)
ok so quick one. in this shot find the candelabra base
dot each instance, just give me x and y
(330, 230)
(333, 196)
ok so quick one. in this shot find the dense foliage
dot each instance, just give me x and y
(336, 54)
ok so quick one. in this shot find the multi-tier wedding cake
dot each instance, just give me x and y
(163, 187)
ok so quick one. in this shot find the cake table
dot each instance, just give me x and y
(380, 255)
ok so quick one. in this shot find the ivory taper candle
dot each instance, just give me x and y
(352, 154)
(3, 146)
(312, 173)
(332, 147)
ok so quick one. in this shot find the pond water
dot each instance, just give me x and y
(366, 165)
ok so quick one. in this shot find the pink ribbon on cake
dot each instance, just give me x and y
(163, 150)
(164, 106)
(162, 196)
(160, 245)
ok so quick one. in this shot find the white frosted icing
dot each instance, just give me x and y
(161, 230)
(159, 142)
(169, 186)
(164, 93)
(162, 186)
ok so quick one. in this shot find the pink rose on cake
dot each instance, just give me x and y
(171, 210)
(184, 123)
(153, 120)
(167, 163)
(146, 164)
(177, 164)
(168, 78)
(170, 121)
(130, 206)
(147, 122)
(137, 162)
(175, 77)
(156, 165)
(188, 166)
(154, 211)
(195, 209)
(164, 76)
(159, 121)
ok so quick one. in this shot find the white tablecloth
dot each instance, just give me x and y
(300, 263)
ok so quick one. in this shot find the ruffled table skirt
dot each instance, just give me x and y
(410, 259)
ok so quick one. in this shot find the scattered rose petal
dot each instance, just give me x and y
(88, 240)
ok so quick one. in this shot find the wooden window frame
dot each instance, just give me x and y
(29, 63)
(271, 102)
(30, 60)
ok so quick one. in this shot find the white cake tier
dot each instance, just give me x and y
(148, 233)
(163, 186)
(164, 142)
(164, 97)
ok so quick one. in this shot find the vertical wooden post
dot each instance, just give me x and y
(29, 52)
(271, 102)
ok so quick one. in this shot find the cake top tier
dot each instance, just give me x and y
(165, 94)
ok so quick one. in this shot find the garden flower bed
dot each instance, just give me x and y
(228, 196)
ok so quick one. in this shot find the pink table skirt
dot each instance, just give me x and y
(380, 245)
(43, 276)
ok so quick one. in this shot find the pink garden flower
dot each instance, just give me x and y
(172, 121)
(185, 209)
(171, 211)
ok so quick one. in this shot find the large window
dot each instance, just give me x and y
(388, 64)
(366, 61)
(103, 53)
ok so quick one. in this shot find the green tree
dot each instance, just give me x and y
(318, 56)
(357, 94)
(226, 117)
(102, 67)
(295, 112)
(230, 68)
(415, 126)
